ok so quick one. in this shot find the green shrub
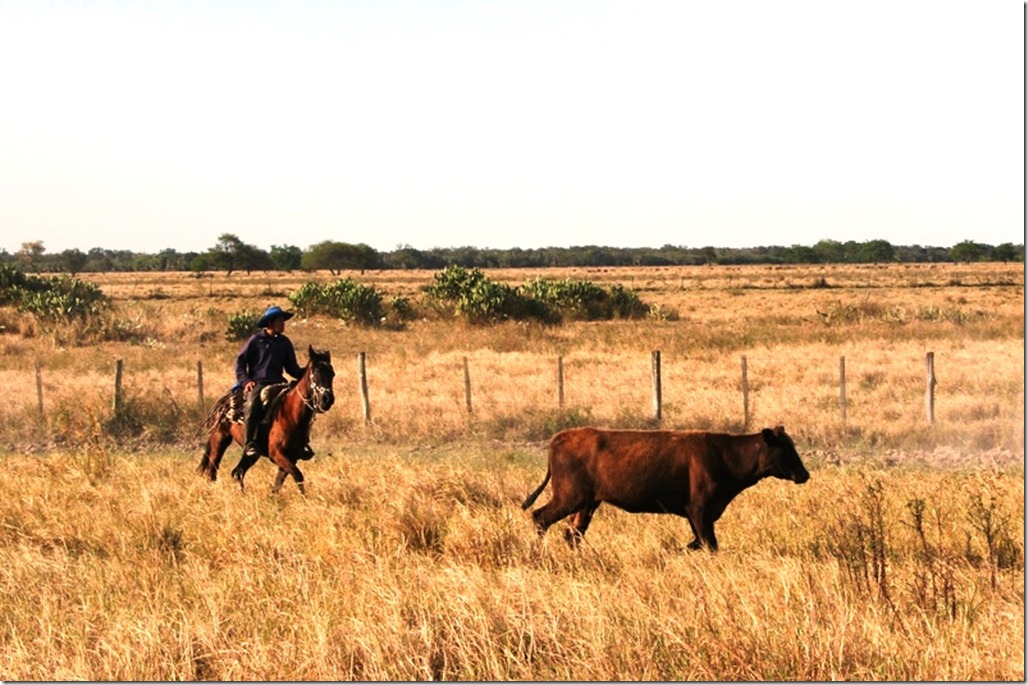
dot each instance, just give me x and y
(345, 299)
(307, 299)
(242, 325)
(577, 300)
(625, 303)
(488, 302)
(571, 299)
(12, 284)
(354, 302)
(453, 282)
(61, 299)
(401, 308)
(470, 294)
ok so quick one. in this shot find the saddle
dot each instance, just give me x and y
(271, 397)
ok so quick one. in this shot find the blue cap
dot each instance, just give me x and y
(272, 313)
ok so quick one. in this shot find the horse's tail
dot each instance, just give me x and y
(218, 415)
(205, 461)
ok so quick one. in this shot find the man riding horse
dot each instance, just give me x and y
(261, 363)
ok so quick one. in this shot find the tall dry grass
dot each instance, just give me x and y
(417, 563)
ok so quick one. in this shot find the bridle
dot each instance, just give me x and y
(317, 392)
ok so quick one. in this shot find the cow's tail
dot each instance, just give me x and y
(530, 500)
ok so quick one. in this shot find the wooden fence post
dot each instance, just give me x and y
(560, 383)
(39, 387)
(929, 397)
(745, 395)
(362, 376)
(467, 385)
(842, 389)
(655, 372)
(117, 387)
(199, 384)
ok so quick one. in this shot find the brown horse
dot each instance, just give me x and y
(285, 431)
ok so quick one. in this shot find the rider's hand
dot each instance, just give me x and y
(249, 386)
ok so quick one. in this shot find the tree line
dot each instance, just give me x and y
(232, 254)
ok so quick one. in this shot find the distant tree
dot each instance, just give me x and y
(250, 258)
(226, 252)
(406, 257)
(203, 262)
(829, 251)
(335, 257)
(72, 261)
(1007, 252)
(232, 254)
(876, 251)
(98, 260)
(172, 260)
(709, 255)
(800, 254)
(968, 251)
(31, 255)
(286, 257)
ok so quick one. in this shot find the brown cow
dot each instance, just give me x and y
(694, 474)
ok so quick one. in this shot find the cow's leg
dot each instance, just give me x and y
(551, 512)
(702, 522)
(708, 533)
(579, 524)
(695, 544)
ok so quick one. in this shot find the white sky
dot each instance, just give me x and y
(635, 123)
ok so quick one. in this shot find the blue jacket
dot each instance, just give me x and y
(263, 359)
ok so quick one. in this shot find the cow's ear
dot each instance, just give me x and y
(769, 436)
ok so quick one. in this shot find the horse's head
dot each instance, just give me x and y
(321, 373)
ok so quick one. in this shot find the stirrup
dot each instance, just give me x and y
(250, 450)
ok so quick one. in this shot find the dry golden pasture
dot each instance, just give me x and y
(901, 559)
(793, 332)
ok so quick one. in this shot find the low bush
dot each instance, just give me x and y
(66, 307)
(242, 325)
(345, 299)
(469, 294)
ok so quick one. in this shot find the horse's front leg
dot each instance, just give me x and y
(280, 478)
(243, 466)
(286, 467)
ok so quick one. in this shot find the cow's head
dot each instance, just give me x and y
(782, 460)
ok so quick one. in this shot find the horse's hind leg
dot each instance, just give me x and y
(213, 451)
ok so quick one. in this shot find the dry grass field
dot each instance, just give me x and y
(901, 559)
